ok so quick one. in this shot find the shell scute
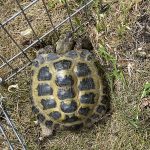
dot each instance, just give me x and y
(48, 103)
(64, 93)
(66, 80)
(72, 54)
(44, 89)
(84, 53)
(44, 74)
(88, 98)
(68, 107)
(55, 115)
(84, 111)
(71, 119)
(87, 84)
(83, 69)
(62, 65)
(52, 56)
(48, 123)
(40, 117)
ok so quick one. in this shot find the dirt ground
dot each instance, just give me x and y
(123, 28)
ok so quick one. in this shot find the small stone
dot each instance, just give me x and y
(141, 54)
(140, 48)
(1, 80)
(36, 122)
(26, 33)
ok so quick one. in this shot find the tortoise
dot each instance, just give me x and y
(68, 87)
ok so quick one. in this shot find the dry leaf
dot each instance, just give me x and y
(130, 69)
(145, 103)
(123, 63)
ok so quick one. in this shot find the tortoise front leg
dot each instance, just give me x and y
(47, 49)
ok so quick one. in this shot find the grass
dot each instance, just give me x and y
(118, 37)
(115, 73)
(146, 90)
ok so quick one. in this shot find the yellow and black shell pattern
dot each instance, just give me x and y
(67, 89)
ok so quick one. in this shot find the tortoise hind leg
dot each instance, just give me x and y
(46, 132)
(99, 114)
(103, 108)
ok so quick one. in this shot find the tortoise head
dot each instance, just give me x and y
(65, 43)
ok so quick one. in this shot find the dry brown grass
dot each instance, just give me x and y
(121, 30)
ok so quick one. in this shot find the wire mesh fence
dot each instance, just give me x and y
(7, 68)
(22, 51)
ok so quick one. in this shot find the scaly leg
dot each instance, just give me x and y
(46, 132)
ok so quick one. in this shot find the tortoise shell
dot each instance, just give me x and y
(67, 90)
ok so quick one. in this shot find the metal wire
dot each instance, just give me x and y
(19, 70)
(8, 62)
(6, 138)
(49, 16)
(4, 61)
(86, 9)
(70, 20)
(6, 116)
